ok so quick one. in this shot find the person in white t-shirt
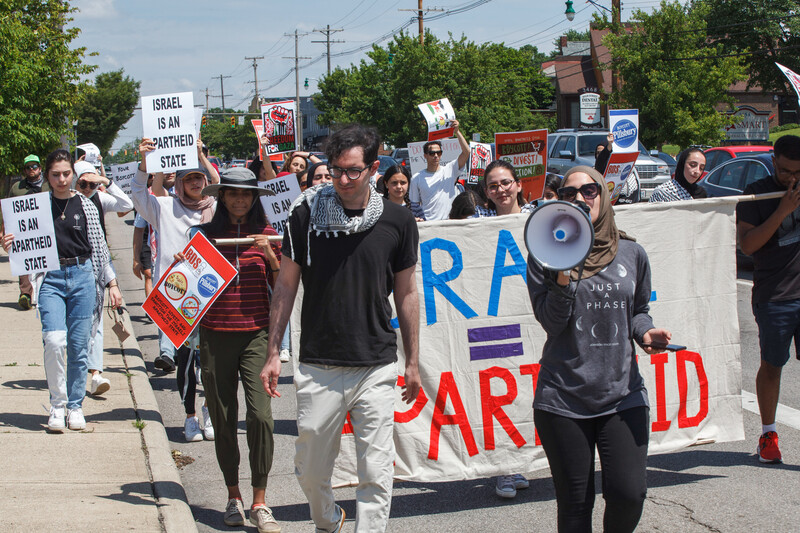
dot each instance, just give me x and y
(435, 187)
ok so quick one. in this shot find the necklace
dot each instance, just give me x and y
(63, 216)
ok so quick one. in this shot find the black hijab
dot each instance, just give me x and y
(692, 188)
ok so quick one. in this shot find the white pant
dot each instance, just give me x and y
(325, 394)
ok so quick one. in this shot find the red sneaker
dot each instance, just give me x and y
(768, 451)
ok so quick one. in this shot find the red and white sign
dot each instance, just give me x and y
(480, 155)
(753, 125)
(618, 169)
(280, 125)
(794, 78)
(258, 126)
(439, 116)
(187, 289)
(527, 152)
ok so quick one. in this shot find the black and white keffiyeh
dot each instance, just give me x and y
(328, 216)
(101, 257)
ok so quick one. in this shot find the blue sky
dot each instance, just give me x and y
(177, 45)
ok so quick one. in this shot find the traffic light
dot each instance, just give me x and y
(306, 84)
(204, 122)
(233, 122)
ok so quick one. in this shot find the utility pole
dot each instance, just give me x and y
(420, 13)
(297, 58)
(206, 99)
(222, 91)
(255, 72)
(616, 16)
(327, 32)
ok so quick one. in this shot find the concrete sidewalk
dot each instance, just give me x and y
(116, 474)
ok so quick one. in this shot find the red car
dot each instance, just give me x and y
(720, 154)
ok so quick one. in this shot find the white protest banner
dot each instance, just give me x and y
(286, 191)
(169, 121)
(451, 149)
(794, 78)
(480, 344)
(187, 289)
(123, 175)
(280, 124)
(92, 153)
(439, 116)
(625, 127)
(30, 219)
(618, 169)
(480, 155)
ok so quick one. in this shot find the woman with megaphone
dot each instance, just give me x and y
(590, 393)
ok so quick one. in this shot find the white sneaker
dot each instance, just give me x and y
(56, 420)
(208, 428)
(99, 384)
(75, 419)
(191, 430)
(284, 356)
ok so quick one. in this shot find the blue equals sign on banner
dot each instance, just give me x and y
(483, 342)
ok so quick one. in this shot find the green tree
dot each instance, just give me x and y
(39, 78)
(127, 153)
(105, 107)
(226, 141)
(673, 75)
(765, 32)
(492, 88)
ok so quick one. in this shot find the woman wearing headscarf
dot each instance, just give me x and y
(590, 393)
(171, 217)
(233, 341)
(70, 299)
(688, 171)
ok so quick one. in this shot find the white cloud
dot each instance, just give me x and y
(96, 9)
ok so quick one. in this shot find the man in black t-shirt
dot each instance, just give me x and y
(351, 248)
(769, 230)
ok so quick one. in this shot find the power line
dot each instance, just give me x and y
(327, 32)
(255, 71)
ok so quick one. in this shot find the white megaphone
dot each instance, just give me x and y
(559, 235)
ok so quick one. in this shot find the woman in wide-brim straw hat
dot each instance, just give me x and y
(233, 340)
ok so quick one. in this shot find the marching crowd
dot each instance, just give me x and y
(352, 241)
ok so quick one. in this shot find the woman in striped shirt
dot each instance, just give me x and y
(233, 340)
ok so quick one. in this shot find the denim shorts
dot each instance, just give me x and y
(778, 323)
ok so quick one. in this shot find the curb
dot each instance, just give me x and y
(173, 506)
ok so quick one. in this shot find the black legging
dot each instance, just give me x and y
(187, 379)
(621, 440)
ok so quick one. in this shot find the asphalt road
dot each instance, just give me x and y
(709, 488)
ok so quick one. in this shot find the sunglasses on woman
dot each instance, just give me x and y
(83, 184)
(589, 191)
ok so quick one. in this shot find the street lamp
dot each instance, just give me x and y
(570, 12)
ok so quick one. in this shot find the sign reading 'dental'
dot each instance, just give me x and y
(30, 219)
(451, 149)
(123, 175)
(92, 153)
(618, 169)
(527, 153)
(280, 125)
(480, 155)
(169, 120)
(794, 78)
(187, 289)
(590, 109)
(625, 127)
(439, 116)
(286, 190)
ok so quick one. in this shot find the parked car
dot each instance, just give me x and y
(401, 156)
(386, 162)
(730, 178)
(238, 163)
(718, 155)
(666, 158)
(216, 160)
(572, 147)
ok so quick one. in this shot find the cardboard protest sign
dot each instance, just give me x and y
(439, 116)
(92, 153)
(451, 149)
(187, 289)
(198, 119)
(280, 125)
(793, 77)
(286, 191)
(527, 152)
(625, 127)
(123, 175)
(30, 219)
(480, 344)
(169, 120)
(618, 169)
(480, 155)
